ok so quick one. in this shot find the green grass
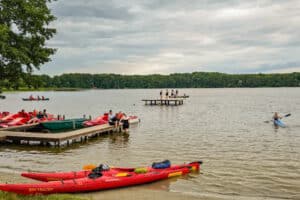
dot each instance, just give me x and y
(12, 196)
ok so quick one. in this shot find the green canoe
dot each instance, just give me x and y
(64, 124)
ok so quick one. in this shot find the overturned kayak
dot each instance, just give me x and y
(101, 179)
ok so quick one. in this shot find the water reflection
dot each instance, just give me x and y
(119, 139)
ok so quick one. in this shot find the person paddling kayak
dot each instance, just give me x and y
(276, 116)
(277, 121)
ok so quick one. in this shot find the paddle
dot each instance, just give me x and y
(287, 115)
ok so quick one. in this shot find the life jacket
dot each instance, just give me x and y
(161, 165)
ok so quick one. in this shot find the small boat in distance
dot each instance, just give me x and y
(28, 99)
(2, 97)
(38, 98)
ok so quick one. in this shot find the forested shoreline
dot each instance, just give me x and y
(178, 80)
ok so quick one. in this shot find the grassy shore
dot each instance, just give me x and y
(11, 196)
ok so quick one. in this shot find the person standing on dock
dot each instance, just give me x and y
(172, 93)
(167, 94)
(45, 114)
(176, 93)
(161, 94)
(111, 118)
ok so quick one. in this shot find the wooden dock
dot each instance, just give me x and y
(167, 102)
(58, 139)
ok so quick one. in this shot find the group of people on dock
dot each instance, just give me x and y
(34, 114)
(118, 118)
(173, 94)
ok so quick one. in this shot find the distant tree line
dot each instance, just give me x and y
(178, 80)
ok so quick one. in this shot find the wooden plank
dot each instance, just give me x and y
(177, 99)
(2, 136)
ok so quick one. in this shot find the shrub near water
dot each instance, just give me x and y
(12, 196)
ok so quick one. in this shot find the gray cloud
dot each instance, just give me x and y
(160, 36)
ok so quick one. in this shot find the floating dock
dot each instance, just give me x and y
(20, 136)
(167, 102)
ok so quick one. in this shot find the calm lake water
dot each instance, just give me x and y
(244, 158)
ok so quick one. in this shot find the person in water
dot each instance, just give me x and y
(125, 122)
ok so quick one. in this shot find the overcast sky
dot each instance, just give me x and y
(168, 36)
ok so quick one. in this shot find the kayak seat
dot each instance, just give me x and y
(96, 172)
(94, 175)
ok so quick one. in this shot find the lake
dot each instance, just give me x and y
(243, 157)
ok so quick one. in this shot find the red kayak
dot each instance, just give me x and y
(101, 180)
(9, 117)
(53, 176)
(98, 121)
(18, 121)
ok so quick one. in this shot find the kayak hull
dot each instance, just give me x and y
(64, 124)
(104, 182)
(279, 123)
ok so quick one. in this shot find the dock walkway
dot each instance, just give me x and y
(167, 102)
(59, 139)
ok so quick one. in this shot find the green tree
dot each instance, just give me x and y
(24, 30)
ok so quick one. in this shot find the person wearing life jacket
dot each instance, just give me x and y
(119, 116)
(34, 112)
(105, 117)
(276, 116)
(31, 97)
(23, 114)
